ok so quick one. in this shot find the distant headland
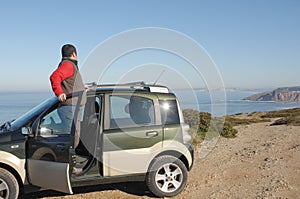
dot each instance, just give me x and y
(284, 94)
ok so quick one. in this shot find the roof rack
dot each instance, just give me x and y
(133, 85)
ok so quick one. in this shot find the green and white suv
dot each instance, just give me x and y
(128, 132)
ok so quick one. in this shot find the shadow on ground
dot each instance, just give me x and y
(134, 188)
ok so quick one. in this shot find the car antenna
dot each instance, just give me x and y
(159, 76)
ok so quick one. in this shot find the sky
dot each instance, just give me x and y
(253, 43)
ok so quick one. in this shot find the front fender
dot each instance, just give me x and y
(14, 162)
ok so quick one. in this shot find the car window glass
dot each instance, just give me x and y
(128, 111)
(59, 120)
(169, 112)
(53, 124)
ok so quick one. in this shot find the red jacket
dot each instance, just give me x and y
(64, 71)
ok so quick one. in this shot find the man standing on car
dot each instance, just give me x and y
(65, 80)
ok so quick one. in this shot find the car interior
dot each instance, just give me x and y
(89, 134)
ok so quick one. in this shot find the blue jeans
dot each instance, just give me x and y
(66, 114)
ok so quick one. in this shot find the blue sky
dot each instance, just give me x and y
(255, 44)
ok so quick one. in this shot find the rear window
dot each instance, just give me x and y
(169, 112)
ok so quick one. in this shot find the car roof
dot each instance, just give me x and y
(134, 86)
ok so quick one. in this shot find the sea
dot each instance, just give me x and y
(15, 104)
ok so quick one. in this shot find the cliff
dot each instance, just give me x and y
(285, 94)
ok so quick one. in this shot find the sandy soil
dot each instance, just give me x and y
(263, 161)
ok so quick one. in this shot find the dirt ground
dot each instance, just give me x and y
(263, 161)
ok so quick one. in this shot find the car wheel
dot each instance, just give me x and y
(167, 176)
(9, 187)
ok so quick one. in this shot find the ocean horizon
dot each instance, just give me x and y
(13, 104)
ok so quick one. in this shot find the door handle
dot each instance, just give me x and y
(152, 134)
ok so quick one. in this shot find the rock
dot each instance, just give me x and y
(266, 159)
(287, 94)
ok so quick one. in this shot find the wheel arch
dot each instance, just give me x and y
(175, 154)
(44, 152)
(14, 164)
(14, 172)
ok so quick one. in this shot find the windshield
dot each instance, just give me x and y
(32, 114)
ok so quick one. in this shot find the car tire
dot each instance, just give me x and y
(9, 187)
(167, 176)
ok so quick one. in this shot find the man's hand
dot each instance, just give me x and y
(87, 87)
(62, 97)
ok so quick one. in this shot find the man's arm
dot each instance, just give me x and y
(64, 71)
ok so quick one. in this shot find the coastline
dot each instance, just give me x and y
(15, 103)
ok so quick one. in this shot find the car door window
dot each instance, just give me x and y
(52, 123)
(129, 111)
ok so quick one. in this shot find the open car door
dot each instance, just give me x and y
(50, 148)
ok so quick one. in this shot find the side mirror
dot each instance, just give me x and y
(25, 131)
(45, 130)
